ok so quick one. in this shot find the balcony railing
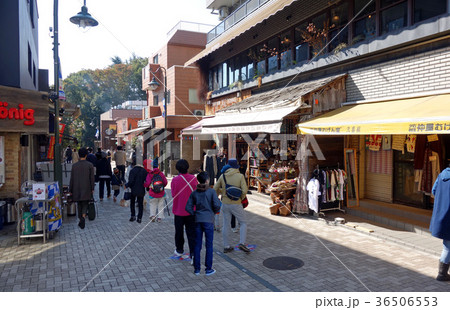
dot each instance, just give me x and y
(190, 26)
(236, 16)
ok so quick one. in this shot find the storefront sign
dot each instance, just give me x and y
(23, 111)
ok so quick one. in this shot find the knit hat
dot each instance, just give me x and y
(155, 163)
(233, 163)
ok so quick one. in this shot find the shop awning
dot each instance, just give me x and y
(196, 128)
(261, 14)
(264, 112)
(135, 131)
(268, 121)
(420, 115)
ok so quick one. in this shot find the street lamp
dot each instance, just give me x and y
(153, 86)
(86, 20)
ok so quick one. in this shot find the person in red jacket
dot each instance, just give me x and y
(181, 187)
(156, 182)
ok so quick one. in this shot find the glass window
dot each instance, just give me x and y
(210, 80)
(301, 52)
(231, 77)
(237, 75)
(261, 67)
(338, 38)
(224, 74)
(193, 98)
(339, 15)
(424, 9)
(364, 29)
(273, 50)
(155, 100)
(360, 4)
(286, 59)
(215, 80)
(220, 76)
(250, 71)
(385, 3)
(320, 21)
(244, 61)
(155, 59)
(394, 18)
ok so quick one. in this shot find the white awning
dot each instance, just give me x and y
(195, 128)
(268, 121)
(135, 130)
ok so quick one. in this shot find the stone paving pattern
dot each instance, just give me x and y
(114, 255)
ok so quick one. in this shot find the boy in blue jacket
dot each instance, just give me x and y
(203, 203)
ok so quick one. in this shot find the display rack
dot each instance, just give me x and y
(20, 203)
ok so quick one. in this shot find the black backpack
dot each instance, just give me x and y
(157, 184)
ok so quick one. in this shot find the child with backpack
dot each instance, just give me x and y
(156, 182)
(203, 203)
(116, 183)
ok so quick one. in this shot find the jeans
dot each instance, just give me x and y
(188, 223)
(208, 229)
(239, 213)
(140, 201)
(122, 172)
(445, 256)
(102, 182)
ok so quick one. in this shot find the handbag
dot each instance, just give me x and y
(244, 202)
(233, 192)
(127, 194)
(91, 210)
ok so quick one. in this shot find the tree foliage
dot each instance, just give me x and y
(97, 91)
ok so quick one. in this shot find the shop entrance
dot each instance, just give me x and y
(405, 189)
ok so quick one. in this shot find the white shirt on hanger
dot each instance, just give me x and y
(313, 188)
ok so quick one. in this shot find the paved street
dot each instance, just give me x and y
(115, 255)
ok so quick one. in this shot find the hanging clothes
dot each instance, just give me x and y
(313, 189)
(221, 162)
(333, 184)
(427, 174)
(323, 185)
(210, 165)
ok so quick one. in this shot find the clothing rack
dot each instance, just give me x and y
(332, 204)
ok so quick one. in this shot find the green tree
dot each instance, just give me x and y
(96, 91)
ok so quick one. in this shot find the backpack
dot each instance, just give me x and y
(157, 184)
(233, 192)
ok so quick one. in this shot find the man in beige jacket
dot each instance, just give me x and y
(120, 158)
(232, 176)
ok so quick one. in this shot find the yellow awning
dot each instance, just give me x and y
(421, 115)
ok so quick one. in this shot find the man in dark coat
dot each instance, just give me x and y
(136, 181)
(82, 184)
(440, 221)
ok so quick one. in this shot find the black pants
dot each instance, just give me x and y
(188, 222)
(233, 221)
(82, 207)
(122, 172)
(102, 187)
(140, 201)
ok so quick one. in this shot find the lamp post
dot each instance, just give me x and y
(153, 86)
(85, 19)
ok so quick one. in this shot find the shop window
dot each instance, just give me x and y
(232, 78)
(220, 77)
(339, 15)
(250, 71)
(272, 51)
(360, 11)
(338, 39)
(301, 47)
(210, 80)
(286, 59)
(364, 29)
(193, 98)
(424, 9)
(285, 50)
(394, 18)
(215, 80)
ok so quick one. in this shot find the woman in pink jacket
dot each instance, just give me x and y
(182, 186)
(156, 182)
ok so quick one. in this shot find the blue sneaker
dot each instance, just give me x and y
(196, 272)
(210, 272)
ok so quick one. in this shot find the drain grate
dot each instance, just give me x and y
(283, 263)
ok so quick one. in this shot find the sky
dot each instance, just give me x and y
(125, 27)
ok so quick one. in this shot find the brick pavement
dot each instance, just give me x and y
(115, 255)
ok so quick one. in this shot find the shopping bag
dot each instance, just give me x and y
(244, 202)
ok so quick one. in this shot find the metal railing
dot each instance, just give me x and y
(236, 16)
(189, 26)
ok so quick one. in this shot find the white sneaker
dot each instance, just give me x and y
(235, 230)
(177, 254)
(184, 256)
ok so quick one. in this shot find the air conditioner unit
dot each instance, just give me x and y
(223, 12)
(199, 112)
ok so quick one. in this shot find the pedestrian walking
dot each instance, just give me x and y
(116, 183)
(103, 176)
(91, 157)
(136, 181)
(156, 182)
(232, 203)
(75, 156)
(203, 203)
(68, 154)
(82, 184)
(440, 221)
(120, 157)
(181, 188)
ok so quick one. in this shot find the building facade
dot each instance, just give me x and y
(374, 51)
